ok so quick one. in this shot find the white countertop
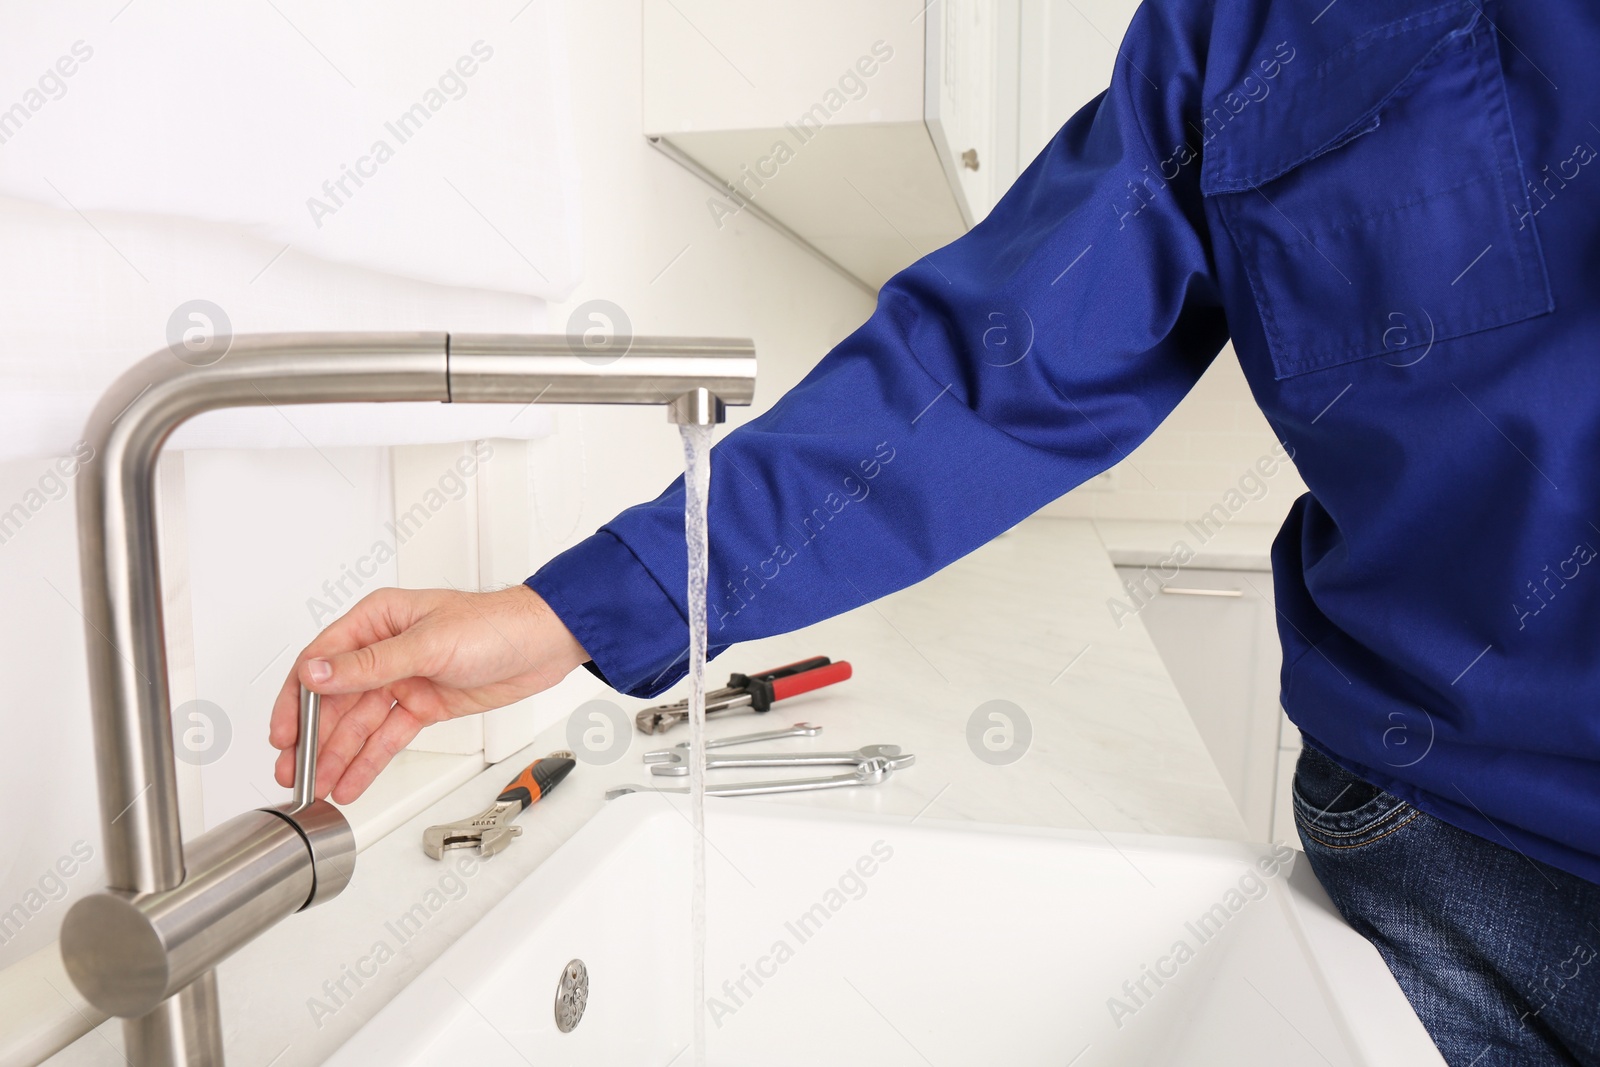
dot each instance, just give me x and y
(1023, 619)
(1237, 546)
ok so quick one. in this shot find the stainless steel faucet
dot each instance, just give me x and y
(145, 948)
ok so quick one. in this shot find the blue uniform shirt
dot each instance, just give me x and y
(1390, 207)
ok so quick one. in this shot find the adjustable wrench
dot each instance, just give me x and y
(492, 829)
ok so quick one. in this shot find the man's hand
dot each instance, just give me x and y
(402, 659)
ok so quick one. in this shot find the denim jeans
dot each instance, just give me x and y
(1499, 954)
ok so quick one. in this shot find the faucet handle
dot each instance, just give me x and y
(305, 751)
(324, 827)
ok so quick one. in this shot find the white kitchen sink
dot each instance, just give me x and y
(885, 941)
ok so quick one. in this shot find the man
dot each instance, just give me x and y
(1387, 205)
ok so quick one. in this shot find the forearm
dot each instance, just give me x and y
(859, 482)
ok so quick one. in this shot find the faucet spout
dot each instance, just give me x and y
(697, 407)
(145, 948)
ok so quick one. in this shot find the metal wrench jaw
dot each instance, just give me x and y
(657, 720)
(873, 771)
(879, 768)
(490, 830)
(492, 841)
(660, 719)
(437, 840)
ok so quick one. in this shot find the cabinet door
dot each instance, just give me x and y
(1216, 633)
(971, 97)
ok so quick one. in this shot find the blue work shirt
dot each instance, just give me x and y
(1390, 208)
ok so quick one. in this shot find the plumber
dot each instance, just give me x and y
(1383, 204)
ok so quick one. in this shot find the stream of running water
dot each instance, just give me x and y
(697, 486)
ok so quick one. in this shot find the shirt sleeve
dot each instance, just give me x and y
(994, 375)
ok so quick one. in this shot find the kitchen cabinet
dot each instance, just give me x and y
(970, 67)
(873, 133)
(1217, 634)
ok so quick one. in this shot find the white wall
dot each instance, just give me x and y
(46, 775)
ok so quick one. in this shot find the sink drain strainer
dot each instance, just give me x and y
(572, 996)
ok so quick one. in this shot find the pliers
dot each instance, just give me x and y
(492, 829)
(755, 691)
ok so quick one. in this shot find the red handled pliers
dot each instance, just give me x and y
(755, 691)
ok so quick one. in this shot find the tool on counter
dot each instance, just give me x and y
(492, 829)
(869, 773)
(872, 764)
(799, 729)
(755, 691)
(677, 763)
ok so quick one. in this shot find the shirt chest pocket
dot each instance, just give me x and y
(1381, 208)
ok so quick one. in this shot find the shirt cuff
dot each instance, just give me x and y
(635, 635)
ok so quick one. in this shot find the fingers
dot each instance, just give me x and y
(393, 735)
(285, 724)
(377, 616)
(369, 667)
(283, 768)
(334, 711)
(354, 728)
(447, 652)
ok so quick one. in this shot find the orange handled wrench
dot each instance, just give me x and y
(758, 692)
(492, 829)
